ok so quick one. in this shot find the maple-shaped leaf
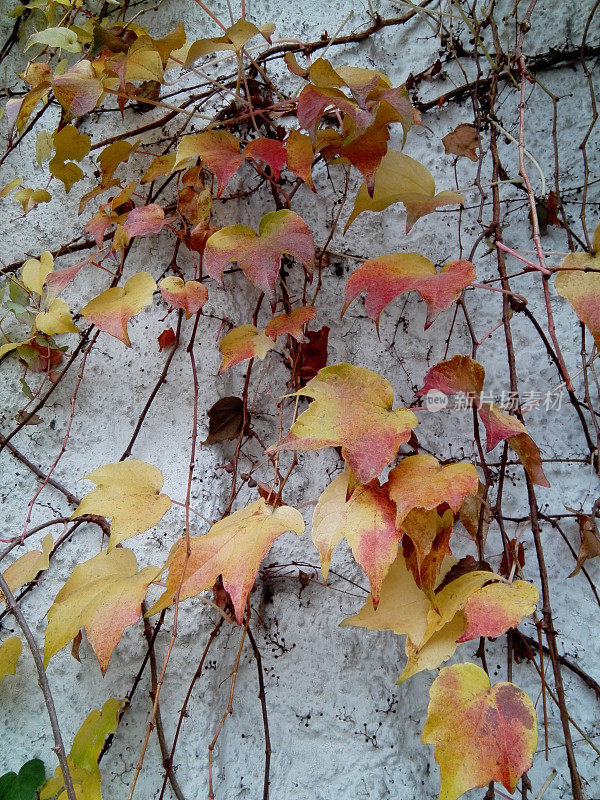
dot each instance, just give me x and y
(189, 295)
(462, 141)
(401, 179)
(420, 481)
(27, 566)
(218, 150)
(481, 733)
(128, 493)
(112, 309)
(57, 319)
(291, 323)
(234, 547)
(242, 343)
(10, 651)
(495, 608)
(85, 752)
(579, 281)
(351, 409)
(236, 36)
(386, 277)
(104, 596)
(260, 256)
(366, 519)
(35, 272)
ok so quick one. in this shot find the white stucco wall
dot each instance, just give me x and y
(340, 727)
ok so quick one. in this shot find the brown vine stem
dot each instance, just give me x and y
(59, 747)
(263, 706)
(71, 498)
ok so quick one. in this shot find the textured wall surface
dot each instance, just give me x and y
(340, 727)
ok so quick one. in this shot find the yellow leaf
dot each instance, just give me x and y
(128, 493)
(243, 343)
(113, 308)
(104, 596)
(35, 272)
(400, 179)
(234, 548)
(481, 733)
(57, 38)
(56, 320)
(439, 648)
(143, 61)
(10, 650)
(27, 566)
(28, 198)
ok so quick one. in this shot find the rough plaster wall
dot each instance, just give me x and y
(340, 727)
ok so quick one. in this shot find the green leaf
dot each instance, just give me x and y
(23, 786)
(59, 37)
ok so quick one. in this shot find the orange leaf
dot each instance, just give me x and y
(189, 296)
(300, 156)
(481, 733)
(243, 343)
(234, 548)
(386, 277)
(291, 323)
(420, 481)
(219, 151)
(460, 374)
(425, 544)
(260, 256)
(366, 519)
(351, 409)
(166, 339)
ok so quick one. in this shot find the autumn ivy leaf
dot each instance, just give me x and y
(236, 36)
(495, 608)
(218, 150)
(84, 755)
(452, 596)
(79, 89)
(291, 323)
(420, 481)
(259, 256)
(35, 271)
(10, 651)
(225, 420)
(30, 198)
(590, 541)
(579, 282)
(144, 220)
(128, 493)
(70, 146)
(400, 179)
(112, 309)
(189, 295)
(271, 152)
(300, 154)
(161, 165)
(25, 785)
(480, 733)
(351, 409)
(57, 319)
(104, 596)
(166, 339)
(386, 277)
(366, 520)
(58, 38)
(432, 651)
(462, 141)
(143, 61)
(27, 566)
(242, 343)
(234, 547)
(425, 544)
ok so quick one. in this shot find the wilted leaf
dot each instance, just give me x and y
(190, 296)
(243, 343)
(481, 733)
(366, 519)
(104, 596)
(27, 566)
(25, 785)
(470, 511)
(128, 493)
(234, 548)
(313, 354)
(225, 420)
(400, 179)
(260, 256)
(590, 541)
(57, 319)
(166, 339)
(161, 165)
(420, 481)
(463, 141)
(10, 651)
(495, 608)
(291, 323)
(35, 272)
(113, 308)
(351, 409)
(386, 277)
(113, 155)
